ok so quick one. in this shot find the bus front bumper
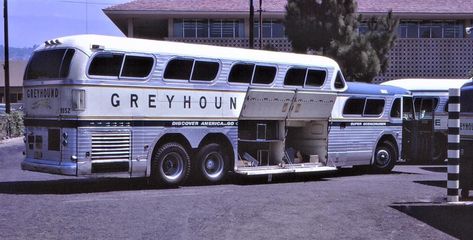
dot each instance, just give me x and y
(30, 164)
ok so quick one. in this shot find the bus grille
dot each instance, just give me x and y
(111, 146)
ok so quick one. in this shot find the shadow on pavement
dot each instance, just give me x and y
(435, 169)
(73, 186)
(434, 183)
(92, 185)
(455, 220)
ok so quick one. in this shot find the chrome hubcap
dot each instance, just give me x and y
(382, 157)
(172, 166)
(213, 165)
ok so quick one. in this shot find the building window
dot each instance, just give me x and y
(205, 28)
(430, 29)
(271, 29)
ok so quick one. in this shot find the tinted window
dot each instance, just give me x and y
(425, 106)
(354, 106)
(295, 77)
(106, 64)
(339, 82)
(374, 107)
(264, 74)
(66, 63)
(205, 71)
(315, 78)
(407, 108)
(241, 73)
(50, 64)
(178, 69)
(396, 108)
(137, 66)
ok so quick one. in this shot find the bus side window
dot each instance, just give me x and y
(264, 74)
(241, 73)
(205, 71)
(408, 110)
(396, 108)
(106, 64)
(374, 107)
(295, 77)
(137, 66)
(354, 106)
(424, 107)
(178, 69)
(339, 81)
(315, 78)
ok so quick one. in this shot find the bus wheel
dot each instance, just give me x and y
(170, 165)
(384, 157)
(211, 163)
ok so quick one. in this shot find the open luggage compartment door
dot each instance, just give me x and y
(312, 105)
(268, 104)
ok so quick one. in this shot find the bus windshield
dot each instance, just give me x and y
(49, 64)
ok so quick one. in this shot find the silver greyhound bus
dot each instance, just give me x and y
(121, 107)
(428, 132)
(111, 106)
(366, 127)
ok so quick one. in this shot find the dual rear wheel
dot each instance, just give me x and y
(171, 164)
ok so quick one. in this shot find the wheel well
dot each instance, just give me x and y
(173, 137)
(391, 139)
(222, 140)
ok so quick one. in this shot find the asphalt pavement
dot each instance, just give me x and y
(409, 203)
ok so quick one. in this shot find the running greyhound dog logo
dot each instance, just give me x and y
(42, 103)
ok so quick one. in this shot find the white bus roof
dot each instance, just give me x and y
(427, 85)
(123, 44)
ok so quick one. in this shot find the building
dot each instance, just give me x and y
(432, 41)
(17, 69)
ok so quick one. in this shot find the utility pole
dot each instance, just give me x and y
(260, 24)
(252, 22)
(7, 58)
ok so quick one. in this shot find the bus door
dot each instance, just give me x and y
(408, 129)
(422, 130)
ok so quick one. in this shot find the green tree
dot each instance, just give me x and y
(330, 28)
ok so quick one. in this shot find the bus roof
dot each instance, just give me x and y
(373, 89)
(427, 85)
(123, 44)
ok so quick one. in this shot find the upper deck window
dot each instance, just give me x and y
(137, 66)
(116, 65)
(264, 74)
(241, 73)
(50, 64)
(315, 78)
(106, 64)
(205, 71)
(179, 69)
(295, 77)
(339, 81)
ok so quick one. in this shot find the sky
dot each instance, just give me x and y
(35, 21)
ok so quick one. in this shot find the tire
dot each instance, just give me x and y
(439, 153)
(385, 157)
(170, 165)
(211, 163)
